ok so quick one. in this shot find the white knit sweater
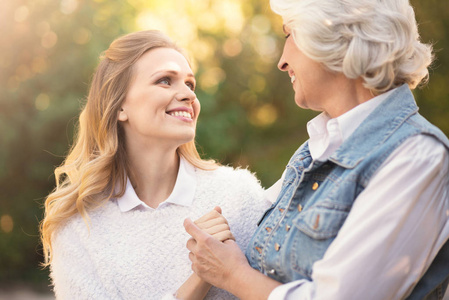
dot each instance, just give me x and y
(141, 254)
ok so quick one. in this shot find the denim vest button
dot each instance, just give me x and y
(277, 247)
(287, 227)
(271, 272)
(268, 229)
(299, 207)
(258, 250)
(315, 186)
(281, 210)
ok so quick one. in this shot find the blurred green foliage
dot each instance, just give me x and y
(49, 50)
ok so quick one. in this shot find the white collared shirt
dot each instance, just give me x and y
(326, 134)
(182, 194)
(411, 187)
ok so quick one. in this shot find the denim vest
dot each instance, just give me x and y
(316, 197)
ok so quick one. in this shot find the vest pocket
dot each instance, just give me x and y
(322, 221)
(315, 229)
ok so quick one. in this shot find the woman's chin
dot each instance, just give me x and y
(186, 138)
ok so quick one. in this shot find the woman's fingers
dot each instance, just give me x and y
(220, 232)
(196, 233)
(211, 259)
(216, 229)
(212, 222)
(218, 209)
(191, 256)
(224, 236)
(191, 243)
(215, 213)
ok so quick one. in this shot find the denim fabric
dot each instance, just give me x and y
(316, 197)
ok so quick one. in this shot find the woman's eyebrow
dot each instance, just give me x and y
(173, 72)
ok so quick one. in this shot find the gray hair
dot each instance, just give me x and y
(376, 40)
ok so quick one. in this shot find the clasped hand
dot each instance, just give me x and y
(213, 252)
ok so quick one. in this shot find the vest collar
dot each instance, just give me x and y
(376, 128)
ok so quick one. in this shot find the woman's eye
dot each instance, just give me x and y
(191, 86)
(165, 81)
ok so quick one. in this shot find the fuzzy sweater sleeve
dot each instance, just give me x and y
(248, 205)
(73, 274)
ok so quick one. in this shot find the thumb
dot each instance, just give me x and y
(193, 230)
(218, 209)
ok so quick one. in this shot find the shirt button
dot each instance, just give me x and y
(277, 247)
(315, 186)
(287, 227)
(271, 272)
(299, 207)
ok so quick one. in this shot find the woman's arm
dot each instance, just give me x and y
(193, 288)
(216, 226)
(224, 265)
(74, 275)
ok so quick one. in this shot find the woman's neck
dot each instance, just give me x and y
(153, 174)
(347, 94)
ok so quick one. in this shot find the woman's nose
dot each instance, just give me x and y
(186, 94)
(282, 64)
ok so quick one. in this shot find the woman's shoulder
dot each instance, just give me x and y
(229, 175)
(78, 226)
(69, 232)
(234, 182)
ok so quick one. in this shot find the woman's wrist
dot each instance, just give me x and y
(248, 284)
(193, 288)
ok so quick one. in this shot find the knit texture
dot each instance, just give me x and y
(141, 254)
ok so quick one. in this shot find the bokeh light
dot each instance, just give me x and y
(6, 223)
(49, 50)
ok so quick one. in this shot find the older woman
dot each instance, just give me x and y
(362, 211)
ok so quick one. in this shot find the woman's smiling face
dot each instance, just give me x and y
(161, 105)
(311, 81)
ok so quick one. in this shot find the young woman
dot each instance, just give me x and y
(113, 227)
(363, 208)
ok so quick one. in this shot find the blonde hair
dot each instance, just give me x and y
(96, 167)
(377, 41)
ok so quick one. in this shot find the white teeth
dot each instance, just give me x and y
(181, 114)
(292, 78)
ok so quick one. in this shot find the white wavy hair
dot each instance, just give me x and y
(376, 40)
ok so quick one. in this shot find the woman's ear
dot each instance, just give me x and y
(122, 116)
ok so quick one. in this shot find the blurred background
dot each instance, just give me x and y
(49, 50)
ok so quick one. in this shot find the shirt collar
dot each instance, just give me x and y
(182, 194)
(350, 120)
(327, 134)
